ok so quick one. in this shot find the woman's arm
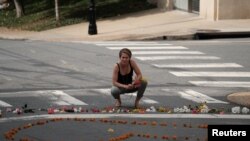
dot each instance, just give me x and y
(136, 70)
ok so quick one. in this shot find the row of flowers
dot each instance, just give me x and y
(202, 108)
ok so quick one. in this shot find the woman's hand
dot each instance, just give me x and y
(129, 86)
(136, 83)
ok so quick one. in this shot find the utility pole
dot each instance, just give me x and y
(92, 18)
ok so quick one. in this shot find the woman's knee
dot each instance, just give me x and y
(144, 83)
(115, 92)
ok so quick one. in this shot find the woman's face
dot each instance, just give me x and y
(124, 59)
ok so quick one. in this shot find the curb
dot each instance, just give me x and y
(217, 35)
(18, 39)
(170, 37)
(200, 35)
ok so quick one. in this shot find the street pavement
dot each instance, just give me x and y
(146, 25)
(105, 126)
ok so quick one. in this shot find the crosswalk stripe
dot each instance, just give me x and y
(166, 52)
(108, 92)
(198, 97)
(152, 58)
(149, 101)
(102, 91)
(145, 99)
(210, 74)
(61, 98)
(199, 65)
(4, 104)
(147, 48)
(131, 44)
(221, 83)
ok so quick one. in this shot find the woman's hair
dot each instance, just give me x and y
(126, 51)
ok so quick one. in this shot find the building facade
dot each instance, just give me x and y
(225, 9)
(210, 9)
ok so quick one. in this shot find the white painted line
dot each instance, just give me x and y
(107, 92)
(166, 52)
(199, 65)
(210, 74)
(126, 96)
(149, 101)
(144, 99)
(152, 58)
(147, 48)
(66, 99)
(43, 93)
(102, 91)
(221, 83)
(132, 44)
(145, 116)
(4, 104)
(61, 98)
(199, 97)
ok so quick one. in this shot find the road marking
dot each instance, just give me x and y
(60, 98)
(149, 101)
(166, 52)
(199, 65)
(145, 116)
(152, 58)
(4, 104)
(103, 91)
(126, 96)
(210, 74)
(198, 97)
(39, 93)
(131, 44)
(147, 48)
(221, 83)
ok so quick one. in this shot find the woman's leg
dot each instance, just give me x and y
(116, 92)
(140, 92)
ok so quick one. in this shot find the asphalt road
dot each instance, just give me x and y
(46, 75)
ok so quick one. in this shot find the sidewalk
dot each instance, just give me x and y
(147, 25)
